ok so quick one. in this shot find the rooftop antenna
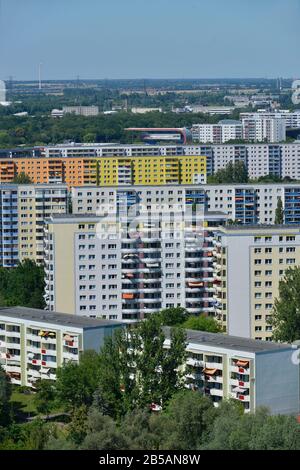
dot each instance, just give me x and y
(40, 75)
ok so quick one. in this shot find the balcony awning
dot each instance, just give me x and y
(208, 371)
(68, 338)
(241, 363)
(239, 389)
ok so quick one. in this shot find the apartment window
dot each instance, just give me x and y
(257, 261)
(91, 226)
(268, 284)
(268, 261)
(268, 250)
(290, 249)
(92, 277)
(290, 238)
(257, 273)
(257, 284)
(257, 239)
(257, 295)
(268, 273)
(268, 239)
(257, 306)
(82, 307)
(81, 237)
(258, 317)
(81, 226)
(258, 328)
(257, 250)
(290, 261)
(269, 306)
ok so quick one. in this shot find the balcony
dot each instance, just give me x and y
(33, 373)
(12, 334)
(239, 383)
(69, 356)
(13, 368)
(240, 370)
(13, 345)
(214, 365)
(31, 337)
(216, 392)
(194, 362)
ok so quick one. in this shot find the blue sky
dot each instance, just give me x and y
(149, 38)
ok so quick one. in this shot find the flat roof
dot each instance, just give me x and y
(221, 340)
(55, 318)
(258, 227)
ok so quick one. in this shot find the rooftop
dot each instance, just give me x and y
(55, 318)
(231, 342)
(260, 227)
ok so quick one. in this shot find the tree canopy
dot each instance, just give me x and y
(286, 313)
(23, 285)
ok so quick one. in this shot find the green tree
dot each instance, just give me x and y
(232, 173)
(202, 323)
(102, 433)
(137, 370)
(173, 316)
(23, 285)
(286, 313)
(142, 430)
(157, 373)
(186, 421)
(5, 394)
(76, 383)
(45, 396)
(22, 178)
(279, 212)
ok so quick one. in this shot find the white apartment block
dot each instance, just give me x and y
(131, 260)
(34, 343)
(255, 373)
(291, 118)
(263, 129)
(249, 263)
(217, 133)
(244, 203)
(81, 110)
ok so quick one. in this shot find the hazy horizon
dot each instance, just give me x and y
(164, 39)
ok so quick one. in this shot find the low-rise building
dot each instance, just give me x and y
(35, 343)
(255, 373)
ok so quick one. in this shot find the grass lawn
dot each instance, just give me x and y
(24, 407)
(23, 403)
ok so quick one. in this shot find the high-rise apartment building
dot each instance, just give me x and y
(264, 129)
(291, 118)
(244, 203)
(249, 263)
(107, 171)
(217, 133)
(81, 110)
(132, 259)
(23, 209)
